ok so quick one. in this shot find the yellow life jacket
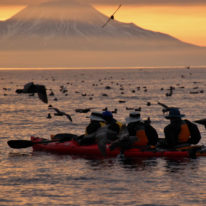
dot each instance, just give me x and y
(142, 139)
(184, 134)
(102, 124)
(119, 124)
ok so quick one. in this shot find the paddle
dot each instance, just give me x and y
(19, 144)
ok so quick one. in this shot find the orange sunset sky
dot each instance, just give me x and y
(187, 23)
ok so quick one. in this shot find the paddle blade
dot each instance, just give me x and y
(18, 144)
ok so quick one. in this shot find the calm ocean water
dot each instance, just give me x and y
(28, 178)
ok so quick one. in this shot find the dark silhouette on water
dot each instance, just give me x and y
(201, 121)
(60, 113)
(31, 88)
(49, 116)
(83, 110)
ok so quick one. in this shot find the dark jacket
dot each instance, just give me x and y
(114, 128)
(172, 132)
(90, 137)
(93, 127)
(114, 125)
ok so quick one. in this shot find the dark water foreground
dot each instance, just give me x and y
(43, 179)
(28, 178)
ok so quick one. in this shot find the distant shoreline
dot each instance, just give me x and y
(103, 68)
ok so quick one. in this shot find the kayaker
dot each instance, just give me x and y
(140, 134)
(114, 126)
(103, 129)
(96, 122)
(180, 132)
(109, 132)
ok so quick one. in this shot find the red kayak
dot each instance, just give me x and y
(73, 148)
(70, 147)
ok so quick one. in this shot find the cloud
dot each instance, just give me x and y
(127, 2)
(20, 2)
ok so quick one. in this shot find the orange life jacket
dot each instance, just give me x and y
(142, 139)
(184, 134)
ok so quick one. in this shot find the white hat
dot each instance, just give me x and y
(96, 116)
(133, 117)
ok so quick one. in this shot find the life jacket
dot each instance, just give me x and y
(142, 139)
(115, 126)
(102, 124)
(184, 134)
(119, 124)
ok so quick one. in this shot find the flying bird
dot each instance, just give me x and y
(111, 17)
(32, 88)
(60, 113)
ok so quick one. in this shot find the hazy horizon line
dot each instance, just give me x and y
(103, 68)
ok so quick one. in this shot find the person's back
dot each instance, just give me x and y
(96, 122)
(180, 132)
(140, 134)
(144, 134)
(114, 126)
(93, 127)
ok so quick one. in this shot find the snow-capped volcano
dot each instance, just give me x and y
(71, 33)
(65, 22)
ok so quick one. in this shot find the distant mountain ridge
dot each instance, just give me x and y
(69, 33)
(74, 24)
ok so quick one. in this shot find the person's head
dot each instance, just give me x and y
(96, 116)
(133, 117)
(107, 115)
(174, 114)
